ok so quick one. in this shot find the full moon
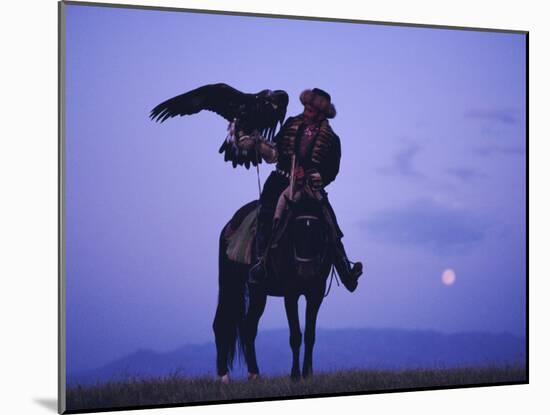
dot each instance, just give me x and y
(448, 277)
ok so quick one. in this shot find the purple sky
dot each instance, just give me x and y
(432, 124)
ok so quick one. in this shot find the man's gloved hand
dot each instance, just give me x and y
(315, 180)
(246, 142)
(267, 150)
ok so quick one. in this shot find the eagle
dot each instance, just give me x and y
(249, 115)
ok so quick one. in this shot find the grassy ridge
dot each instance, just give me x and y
(178, 390)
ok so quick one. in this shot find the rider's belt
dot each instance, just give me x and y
(283, 173)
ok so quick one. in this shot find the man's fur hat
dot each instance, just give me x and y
(312, 96)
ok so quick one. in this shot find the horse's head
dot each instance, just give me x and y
(309, 237)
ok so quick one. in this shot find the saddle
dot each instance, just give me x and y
(305, 223)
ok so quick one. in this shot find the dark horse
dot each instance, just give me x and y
(298, 264)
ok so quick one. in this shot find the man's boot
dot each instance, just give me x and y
(348, 274)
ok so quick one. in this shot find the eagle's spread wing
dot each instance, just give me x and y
(249, 114)
(219, 98)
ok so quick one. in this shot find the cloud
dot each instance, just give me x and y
(464, 174)
(425, 224)
(499, 150)
(503, 115)
(403, 162)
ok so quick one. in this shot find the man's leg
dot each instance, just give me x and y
(273, 187)
(348, 274)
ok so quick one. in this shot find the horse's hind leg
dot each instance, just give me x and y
(222, 341)
(229, 312)
(257, 300)
(291, 307)
(312, 309)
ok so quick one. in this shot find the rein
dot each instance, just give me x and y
(258, 174)
(332, 276)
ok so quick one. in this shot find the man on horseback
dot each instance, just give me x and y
(307, 147)
(307, 153)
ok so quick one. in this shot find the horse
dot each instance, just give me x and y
(299, 263)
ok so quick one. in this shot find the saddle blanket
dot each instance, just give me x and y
(240, 243)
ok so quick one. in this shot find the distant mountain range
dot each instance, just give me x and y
(391, 349)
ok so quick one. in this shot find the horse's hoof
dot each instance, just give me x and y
(295, 377)
(225, 379)
(253, 376)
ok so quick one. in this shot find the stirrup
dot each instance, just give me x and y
(257, 273)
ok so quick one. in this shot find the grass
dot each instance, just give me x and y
(173, 390)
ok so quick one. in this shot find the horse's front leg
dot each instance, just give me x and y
(312, 308)
(291, 307)
(257, 300)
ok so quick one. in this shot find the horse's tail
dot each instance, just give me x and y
(230, 313)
